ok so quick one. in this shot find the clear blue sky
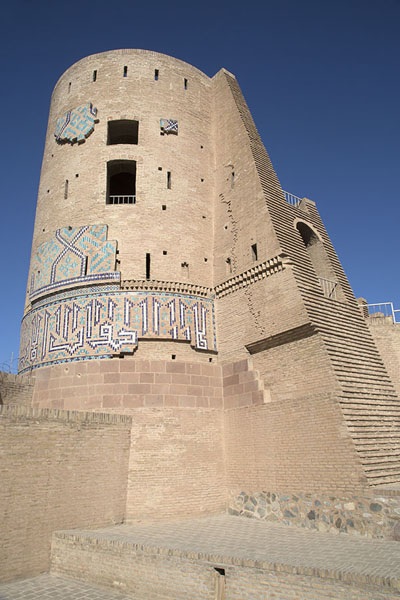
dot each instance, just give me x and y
(320, 77)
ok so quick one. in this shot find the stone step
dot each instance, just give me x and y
(185, 560)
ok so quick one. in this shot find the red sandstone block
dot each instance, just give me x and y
(162, 377)
(216, 402)
(170, 400)
(112, 400)
(199, 380)
(231, 380)
(189, 401)
(132, 401)
(127, 365)
(202, 402)
(139, 388)
(109, 365)
(129, 377)
(209, 369)
(111, 377)
(160, 388)
(227, 370)
(143, 366)
(146, 378)
(193, 368)
(180, 378)
(154, 400)
(194, 390)
(241, 365)
(158, 366)
(93, 366)
(175, 367)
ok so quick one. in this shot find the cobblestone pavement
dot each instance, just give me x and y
(235, 537)
(48, 587)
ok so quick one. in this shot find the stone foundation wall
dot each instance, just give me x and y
(370, 515)
(58, 469)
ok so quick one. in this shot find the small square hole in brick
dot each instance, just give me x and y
(173, 356)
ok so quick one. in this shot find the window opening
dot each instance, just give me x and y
(94, 75)
(164, 207)
(233, 179)
(254, 253)
(206, 259)
(124, 131)
(168, 180)
(160, 168)
(121, 182)
(220, 583)
(228, 265)
(173, 356)
(69, 87)
(185, 269)
(66, 189)
(76, 174)
(147, 265)
(156, 74)
(164, 252)
(185, 84)
(125, 71)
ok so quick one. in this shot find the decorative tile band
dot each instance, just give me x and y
(73, 256)
(260, 271)
(76, 125)
(99, 325)
(169, 126)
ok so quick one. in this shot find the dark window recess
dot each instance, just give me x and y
(160, 168)
(164, 207)
(185, 269)
(233, 179)
(156, 74)
(254, 253)
(125, 71)
(76, 174)
(66, 189)
(164, 252)
(121, 182)
(228, 266)
(147, 265)
(173, 356)
(123, 132)
(94, 75)
(69, 87)
(185, 84)
(168, 180)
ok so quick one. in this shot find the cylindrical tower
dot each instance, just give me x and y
(122, 245)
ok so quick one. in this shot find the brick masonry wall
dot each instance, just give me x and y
(58, 469)
(129, 383)
(176, 465)
(386, 335)
(158, 576)
(300, 445)
(15, 389)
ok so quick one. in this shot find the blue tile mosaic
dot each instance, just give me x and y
(99, 325)
(75, 255)
(76, 125)
(169, 126)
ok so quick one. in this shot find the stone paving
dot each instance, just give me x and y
(239, 538)
(48, 587)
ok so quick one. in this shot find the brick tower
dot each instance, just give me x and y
(170, 271)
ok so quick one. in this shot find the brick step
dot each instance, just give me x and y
(353, 379)
(381, 459)
(383, 481)
(349, 354)
(356, 327)
(387, 437)
(385, 419)
(363, 413)
(371, 390)
(350, 346)
(362, 372)
(373, 404)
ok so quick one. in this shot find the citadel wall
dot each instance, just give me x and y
(59, 469)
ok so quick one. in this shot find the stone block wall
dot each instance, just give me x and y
(58, 469)
(386, 336)
(127, 384)
(16, 389)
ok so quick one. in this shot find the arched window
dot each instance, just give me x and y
(121, 182)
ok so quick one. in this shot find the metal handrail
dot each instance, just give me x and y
(121, 200)
(383, 309)
(292, 199)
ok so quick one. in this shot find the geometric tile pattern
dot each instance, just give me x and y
(74, 255)
(97, 325)
(76, 125)
(169, 126)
